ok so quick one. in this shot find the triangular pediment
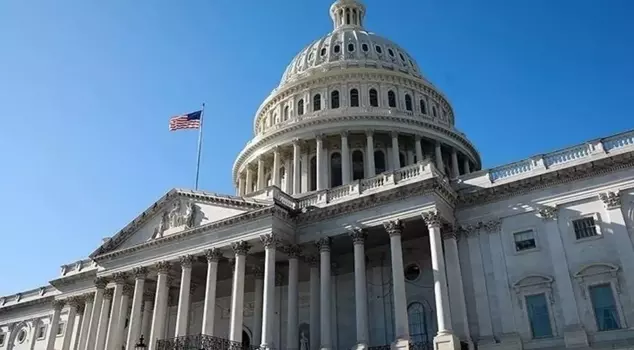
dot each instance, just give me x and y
(177, 211)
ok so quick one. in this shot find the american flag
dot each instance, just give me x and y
(186, 121)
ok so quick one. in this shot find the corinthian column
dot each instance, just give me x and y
(75, 303)
(160, 304)
(113, 334)
(183, 297)
(314, 301)
(148, 306)
(369, 154)
(100, 284)
(324, 255)
(134, 329)
(120, 339)
(292, 329)
(102, 329)
(58, 305)
(361, 296)
(268, 306)
(213, 255)
(85, 324)
(258, 273)
(297, 174)
(458, 307)
(237, 296)
(345, 158)
(401, 325)
(321, 178)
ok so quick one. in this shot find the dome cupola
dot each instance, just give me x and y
(347, 13)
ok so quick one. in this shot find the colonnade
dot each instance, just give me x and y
(102, 328)
(293, 161)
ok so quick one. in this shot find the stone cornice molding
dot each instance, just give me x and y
(611, 200)
(158, 206)
(552, 178)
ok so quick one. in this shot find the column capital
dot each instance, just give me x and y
(548, 213)
(58, 304)
(213, 255)
(492, 226)
(319, 137)
(417, 138)
(88, 297)
(148, 296)
(140, 272)
(75, 302)
(448, 232)
(80, 308)
(108, 294)
(296, 142)
(186, 261)
(163, 267)
(312, 260)
(241, 248)
(394, 133)
(358, 235)
(611, 200)
(269, 240)
(192, 287)
(369, 132)
(323, 244)
(120, 277)
(394, 227)
(293, 251)
(344, 133)
(101, 282)
(432, 218)
(128, 290)
(468, 230)
(258, 272)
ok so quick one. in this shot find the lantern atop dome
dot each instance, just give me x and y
(347, 13)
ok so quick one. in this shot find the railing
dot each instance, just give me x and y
(201, 342)
(620, 142)
(412, 346)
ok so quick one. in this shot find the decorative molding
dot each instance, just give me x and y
(611, 200)
(432, 219)
(532, 284)
(323, 244)
(548, 213)
(186, 261)
(358, 235)
(140, 272)
(241, 247)
(269, 240)
(213, 255)
(468, 230)
(492, 226)
(602, 272)
(394, 227)
(163, 267)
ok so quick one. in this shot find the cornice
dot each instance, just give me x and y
(68, 280)
(200, 196)
(38, 301)
(555, 177)
(245, 217)
(356, 114)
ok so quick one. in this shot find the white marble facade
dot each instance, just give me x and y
(362, 219)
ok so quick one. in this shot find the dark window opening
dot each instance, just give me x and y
(391, 98)
(354, 98)
(334, 99)
(374, 98)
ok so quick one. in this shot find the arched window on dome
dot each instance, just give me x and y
(408, 102)
(391, 99)
(313, 174)
(354, 98)
(374, 98)
(334, 99)
(379, 162)
(423, 107)
(317, 102)
(286, 112)
(433, 111)
(300, 107)
(335, 170)
(347, 16)
(419, 317)
(358, 167)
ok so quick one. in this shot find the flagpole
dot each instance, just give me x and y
(200, 144)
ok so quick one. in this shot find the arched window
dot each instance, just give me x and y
(357, 165)
(354, 98)
(374, 98)
(379, 162)
(433, 111)
(391, 99)
(418, 316)
(334, 99)
(423, 107)
(347, 16)
(269, 180)
(335, 170)
(313, 174)
(317, 102)
(300, 107)
(286, 112)
(408, 102)
(273, 120)
(402, 160)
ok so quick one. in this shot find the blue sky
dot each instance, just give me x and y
(87, 87)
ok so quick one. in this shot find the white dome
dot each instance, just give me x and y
(347, 47)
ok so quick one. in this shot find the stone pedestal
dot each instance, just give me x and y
(400, 344)
(575, 336)
(360, 347)
(446, 342)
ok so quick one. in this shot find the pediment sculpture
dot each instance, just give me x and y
(187, 216)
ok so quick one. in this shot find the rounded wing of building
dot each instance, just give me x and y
(351, 105)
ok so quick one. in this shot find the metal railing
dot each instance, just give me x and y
(201, 342)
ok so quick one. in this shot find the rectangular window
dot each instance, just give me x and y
(2, 336)
(537, 309)
(604, 307)
(585, 228)
(60, 328)
(524, 240)
(41, 332)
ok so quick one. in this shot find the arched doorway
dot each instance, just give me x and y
(313, 174)
(335, 170)
(246, 340)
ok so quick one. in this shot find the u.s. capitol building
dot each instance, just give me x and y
(362, 219)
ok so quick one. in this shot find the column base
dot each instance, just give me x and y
(400, 344)
(360, 346)
(575, 336)
(446, 341)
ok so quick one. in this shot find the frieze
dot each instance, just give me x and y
(611, 200)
